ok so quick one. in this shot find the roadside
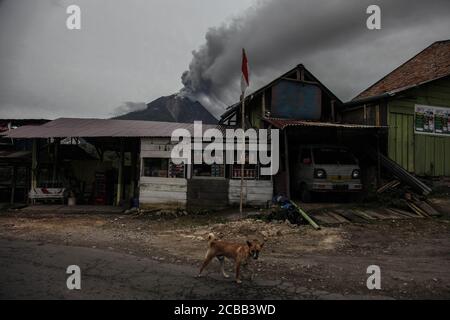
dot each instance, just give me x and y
(412, 253)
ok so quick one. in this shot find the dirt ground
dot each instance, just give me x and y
(413, 254)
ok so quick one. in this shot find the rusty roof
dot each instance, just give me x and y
(95, 128)
(430, 64)
(284, 123)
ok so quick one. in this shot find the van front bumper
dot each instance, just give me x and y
(336, 187)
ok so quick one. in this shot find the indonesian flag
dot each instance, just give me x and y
(245, 81)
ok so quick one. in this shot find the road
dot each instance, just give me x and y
(33, 270)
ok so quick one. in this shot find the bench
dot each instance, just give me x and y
(46, 194)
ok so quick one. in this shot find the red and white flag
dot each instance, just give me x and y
(245, 81)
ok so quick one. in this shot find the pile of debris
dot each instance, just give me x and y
(156, 213)
(287, 210)
(240, 230)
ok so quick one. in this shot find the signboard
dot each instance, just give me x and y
(432, 120)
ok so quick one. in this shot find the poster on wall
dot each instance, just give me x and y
(432, 120)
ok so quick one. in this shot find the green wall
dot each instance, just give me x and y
(420, 154)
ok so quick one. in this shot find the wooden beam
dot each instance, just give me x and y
(301, 81)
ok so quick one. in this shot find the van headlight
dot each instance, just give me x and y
(320, 174)
(356, 174)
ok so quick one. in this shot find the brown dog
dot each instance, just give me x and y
(237, 252)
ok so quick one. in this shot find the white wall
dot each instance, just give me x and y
(160, 192)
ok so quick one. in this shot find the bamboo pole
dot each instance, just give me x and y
(304, 215)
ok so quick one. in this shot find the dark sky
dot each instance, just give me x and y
(136, 50)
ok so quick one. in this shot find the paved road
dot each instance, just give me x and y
(31, 270)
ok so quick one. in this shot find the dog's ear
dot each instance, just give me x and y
(249, 243)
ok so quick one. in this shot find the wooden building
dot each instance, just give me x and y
(414, 102)
(306, 112)
(125, 162)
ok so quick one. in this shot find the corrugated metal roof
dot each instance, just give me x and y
(284, 123)
(96, 128)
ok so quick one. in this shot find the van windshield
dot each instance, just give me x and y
(333, 156)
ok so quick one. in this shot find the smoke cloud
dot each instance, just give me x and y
(128, 107)
(329, 37)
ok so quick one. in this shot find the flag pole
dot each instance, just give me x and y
(241, 206)
(244, 84)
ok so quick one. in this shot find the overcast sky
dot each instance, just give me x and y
(133, 50)
(137, 50)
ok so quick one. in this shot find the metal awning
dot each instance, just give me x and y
(101, 128)
(284, 123)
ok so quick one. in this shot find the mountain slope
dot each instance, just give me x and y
(174, 108)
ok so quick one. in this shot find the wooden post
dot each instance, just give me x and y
(263, 106)
(241, 205)
(13, 183)
(34, 166)
(286, 162)
(120, 174)
(55, 161)
(378, 161)
(133, 170)
(333, 118)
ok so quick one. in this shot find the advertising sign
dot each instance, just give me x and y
(432, 120)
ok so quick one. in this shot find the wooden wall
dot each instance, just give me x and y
(160, 192)
(420, 154)
(207, 193)
(256, 192)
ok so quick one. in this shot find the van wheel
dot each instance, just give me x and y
(305, 195)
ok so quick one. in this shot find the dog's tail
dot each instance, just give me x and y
(211, 238)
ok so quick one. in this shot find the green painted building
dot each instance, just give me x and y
(414, 102)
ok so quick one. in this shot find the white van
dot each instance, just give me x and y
(323, 168)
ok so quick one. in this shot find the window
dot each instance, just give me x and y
(205, 170)
(333, 156)
(156, 167)
(176, 170)
(162, 168)
(250, 171)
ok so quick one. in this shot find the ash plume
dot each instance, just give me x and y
(326, 36)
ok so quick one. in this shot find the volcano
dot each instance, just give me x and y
(174, 108)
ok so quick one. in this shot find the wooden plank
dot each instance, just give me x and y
(363, 215)
(165, 181)
(338, 217)
(405, 213)
(414, 209)
(375, 214)
(146, 187)
(394, 214)
(425, 205)
(322, 217)
(347, 214)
